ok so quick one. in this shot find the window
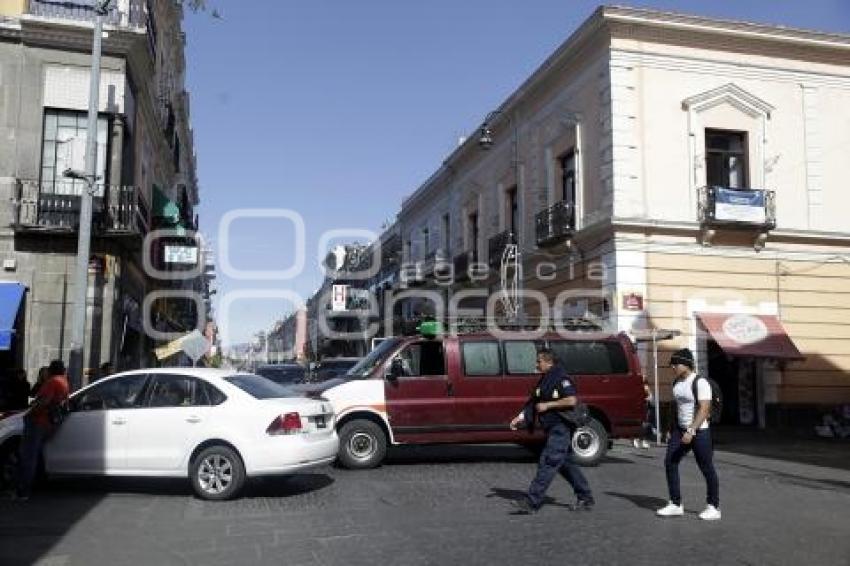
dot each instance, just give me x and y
(447, 234)
(591, 357)
(473, 235)
(176, 391)
(423, 358)
(568, 176)
(512, 210)
(520, 357)
(259, 387)
(61, 127)
(211, 394)
(117, 393)
(408, 250)
(726, 159)
(426, 241)
(481, 358)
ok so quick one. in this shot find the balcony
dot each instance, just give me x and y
(496, 247)
(736, 209)
(117, 211)
(125, 13)
(555, 224)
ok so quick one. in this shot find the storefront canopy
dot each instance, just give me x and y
(11, 295)
(750, 335)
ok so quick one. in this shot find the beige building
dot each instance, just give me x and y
(665, 171)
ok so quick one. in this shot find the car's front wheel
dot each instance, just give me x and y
(362, 444)
(217, 473)
(590, 443)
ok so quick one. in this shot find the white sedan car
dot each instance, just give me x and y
(216, 427)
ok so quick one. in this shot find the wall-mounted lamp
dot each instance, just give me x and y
(485, 137)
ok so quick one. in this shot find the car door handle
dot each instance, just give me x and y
(119, 421)
(193, 419)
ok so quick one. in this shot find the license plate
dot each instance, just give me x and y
(320, 422)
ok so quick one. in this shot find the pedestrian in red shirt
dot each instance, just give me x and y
(39, 423)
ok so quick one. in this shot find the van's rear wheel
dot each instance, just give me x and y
(590, 443)
(362, 444)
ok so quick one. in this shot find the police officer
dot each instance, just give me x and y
(555, 393)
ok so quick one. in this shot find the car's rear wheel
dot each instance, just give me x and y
(590, 443)
(362, 444)
(217, 473)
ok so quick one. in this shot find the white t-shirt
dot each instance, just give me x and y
(683, 392)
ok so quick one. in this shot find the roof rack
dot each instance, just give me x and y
(468, 325)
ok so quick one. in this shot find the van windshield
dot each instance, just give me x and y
(365, 366)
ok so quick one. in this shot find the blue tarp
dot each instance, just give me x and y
(11, 295)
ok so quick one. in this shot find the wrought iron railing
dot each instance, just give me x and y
(496, 246)
(718, 206)
(116, 210)
(555, 224)
(128, 13)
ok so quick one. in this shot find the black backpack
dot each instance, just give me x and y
(716, 398)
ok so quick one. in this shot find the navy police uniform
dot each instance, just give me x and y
(557, 453)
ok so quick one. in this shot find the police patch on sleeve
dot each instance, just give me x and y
(566, 383)
(555, 394)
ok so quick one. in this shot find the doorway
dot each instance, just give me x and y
(736, 377)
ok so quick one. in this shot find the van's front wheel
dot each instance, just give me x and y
(362, 444)
(590, 443)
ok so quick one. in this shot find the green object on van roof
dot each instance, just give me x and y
(430, 328)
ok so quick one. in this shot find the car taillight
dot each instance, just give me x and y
(290, 423)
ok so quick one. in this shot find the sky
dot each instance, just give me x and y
(328, 113)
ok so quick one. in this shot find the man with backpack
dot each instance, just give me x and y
(40, 422)
(555, 405)
(692, 398)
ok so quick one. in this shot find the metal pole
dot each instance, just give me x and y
(655, 371)
(81, 274)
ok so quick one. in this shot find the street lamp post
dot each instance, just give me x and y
(81, 274)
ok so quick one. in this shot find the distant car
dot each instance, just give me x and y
(283, 374)
(215, 427)
(330, 368)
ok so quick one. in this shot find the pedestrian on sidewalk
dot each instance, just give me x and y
(40, 423)
(690, 431)
(648, 426)
(555, 393)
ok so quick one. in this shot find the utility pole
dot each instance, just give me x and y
(81, 274)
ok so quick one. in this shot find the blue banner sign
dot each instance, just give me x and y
(737, 205)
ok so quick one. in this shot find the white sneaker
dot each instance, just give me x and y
(635, 443)
(671, 510)
(645, 444)
(711, 513)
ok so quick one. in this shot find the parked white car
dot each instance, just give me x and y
(216, 427)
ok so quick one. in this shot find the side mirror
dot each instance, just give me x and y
(395, 370)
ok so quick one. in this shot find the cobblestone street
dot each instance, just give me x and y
(441, 505)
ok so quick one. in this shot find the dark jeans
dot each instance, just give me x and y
(704, 454)
(648, 426)
(557, 458)
(30, 452)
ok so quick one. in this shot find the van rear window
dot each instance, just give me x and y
(591, 357)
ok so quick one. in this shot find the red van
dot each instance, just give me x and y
(467, 388)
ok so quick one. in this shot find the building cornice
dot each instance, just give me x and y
(77, 35)
(736, 28)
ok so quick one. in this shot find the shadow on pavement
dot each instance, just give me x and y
(517, 495)
(471, 454)
(791, 445)
(642, 501)
(287, 486)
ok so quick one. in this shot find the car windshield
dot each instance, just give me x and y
(259, 387)
(365, 366)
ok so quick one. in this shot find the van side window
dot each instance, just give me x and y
(591, 357)
(481, 358)
(520, 357)
(423, 358)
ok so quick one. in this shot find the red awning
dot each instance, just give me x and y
(752, 335)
